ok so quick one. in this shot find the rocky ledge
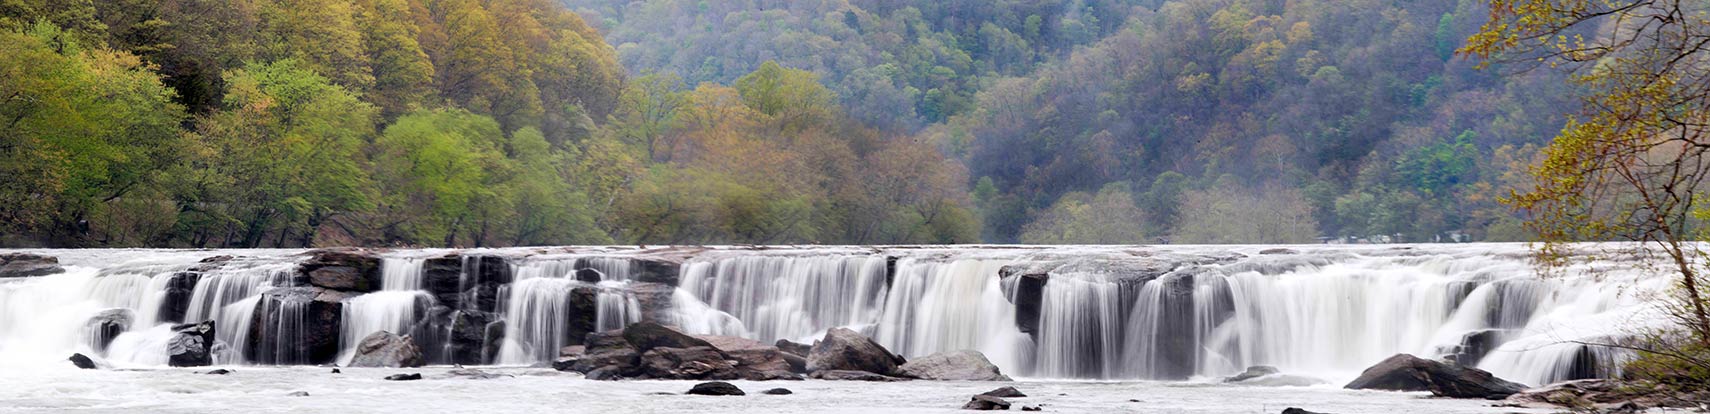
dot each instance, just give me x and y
(27, 265)
(1404, 372)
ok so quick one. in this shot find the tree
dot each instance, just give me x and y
(1228, 214)
(1629, 164)
(1108, 217)
(647, 114)
(792, 98)
(442, 167)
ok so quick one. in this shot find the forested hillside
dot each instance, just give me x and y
(1141, 121)
(422, 122)
(506, 122)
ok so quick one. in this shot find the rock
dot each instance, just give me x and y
(1278, 250)
(1005, 392)
(106, 325)
(1606, 395)
(443, 277)
(801, 350)
(986, 403)
(607, 373)
(28, 265)
(351, 270)
(703, 362)
(765, 363)
(336, 371)
(1281, 380)
(584, 311)
(777, 391)
(842, 375)
(715, 388)
(652, 270)
(471, 337)
(472, 373)
(597, 342)
(1031, 408)
(82, 361)
(731, 343)
(846, 350)
(1404, 372)
(192, 345)
(588, 275)
(387, 350)
(1475, 345)
(648, 335)
(298, 394)
(964, 365)
(314, 337)
(654, 300)
(1253, 372)
(175, 299)
(221, 371)
(1292, 410)
(404, 377)
(1029, 295)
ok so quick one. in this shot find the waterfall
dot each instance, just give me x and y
(1083, 312)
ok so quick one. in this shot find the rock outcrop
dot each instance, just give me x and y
(1005, 392)
(27, 265)
(313, 336)
(648, 350)
(387, 350)
(964, 365)
(1602, 394)
(846, 350)
(106, 325)
(192, 345)
(350, 270)
(1404, 372)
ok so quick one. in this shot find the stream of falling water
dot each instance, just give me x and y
(1102, 312)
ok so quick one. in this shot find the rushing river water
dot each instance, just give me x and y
(1171, 313)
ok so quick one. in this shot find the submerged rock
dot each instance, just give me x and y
(472, 373)
(1253, 372)
(777, 391)
(192, 345)
(1404, 372)
(298, 394)
(221, 371)
(404, 377)
(846, 350)
(715, 388)
(27, 265)
(1292, 410)
(1005, 392)
(964, 365)
(82, 361)
(387, 350)
(986, 403)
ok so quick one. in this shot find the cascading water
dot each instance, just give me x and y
(1058, 312)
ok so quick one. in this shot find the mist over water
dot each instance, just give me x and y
(1087, 312)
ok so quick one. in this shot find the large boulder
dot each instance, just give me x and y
(311, 337)
(1404, 372)
(82, 361)
(765, 364)
(27, 265)
(703, 362)
(964, 365)
(715, 388)
(352, 270)
(799, 349)
(648, 335)
(984, 402)
(106, 325)
(192, 345)
(846, 350)
(387, 350)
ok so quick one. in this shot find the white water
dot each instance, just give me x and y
(1106, 312)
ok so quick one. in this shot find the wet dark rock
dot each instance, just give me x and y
(777, 391)
(387, 350)
(1031, 408)
(175, 299)
(588, 275)
(220, 371)
(654, 299)
(1029, 295)
(1475, 345)
(351, 270)
(336, 371)
(404, 377)
(846, 350)
(1005, 392)
(798, 349)
(1404, 372)
(312, 340)
(443, 277)
(192, 345)
(843, 375)
(28, 265)
(648, 335)
(1292, 410)
(964, 365)
(298, 394)
(82, 361)
(715, 388)
(1253, 372)
(106, 325)
(656, 270)
(986, 403)
(584, 309)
